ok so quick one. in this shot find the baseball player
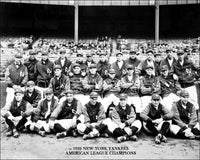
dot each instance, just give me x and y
(94, 115)
(185, 123)
(16, 113)
(60, 82)
(16, 75)
(124, 116)
(31, 94)
(39, 122)
(111, 89)
(156, 119)
(64, 118)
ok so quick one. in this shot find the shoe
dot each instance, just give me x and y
(121, 139)
(104, 135)
(164, 139)
(9, 133)
(15, 134)
(74, 133)
(133, 138)
(26, 130)
(88, 136)
(158, 139)
(42, 133)
(61, 135)
(197, 137)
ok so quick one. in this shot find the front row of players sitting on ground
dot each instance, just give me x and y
(67, 117)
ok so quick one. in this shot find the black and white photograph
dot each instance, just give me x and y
(100, 79)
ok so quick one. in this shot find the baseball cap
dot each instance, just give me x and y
(30, 83)
(123, 96)
(94, 95)
(18, 55)
(68, 92)
(150, 51)
(111, 71)
(149, 66)
(76, 65)
(79, 55)
(118, 53)
(44, 53)
(180, 52)
(129, 66)
(62, 51)
(88, 55)
(184, 93)
(102, 53)
(32, 53)
(93, 66)
(18, 90)
(132, 52)
(164, 68)
(57, 67)
(48, 91)
(155, 97)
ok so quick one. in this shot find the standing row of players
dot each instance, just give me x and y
(139, 79)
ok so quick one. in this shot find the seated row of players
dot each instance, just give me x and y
(137, 79)
(68, 117)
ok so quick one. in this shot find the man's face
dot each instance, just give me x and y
(19, 96)
(62, 55)
(184, 99)
(130, 71)
(123, 102)
(102, 58)
(165, 73)
(119, 57)
(79, 59)
(70, 97)
(155, 102)
(150, 56)
(18, 60)
(170, 54)
(132, 56)
(180, 56)
(77, 70)
(157, 58)
(93, 71)
(149, 71)
(57, 72)
(49, 96)
(32, 57)
(44, 57)
(89, 58)
(30, 88)
(93, 100)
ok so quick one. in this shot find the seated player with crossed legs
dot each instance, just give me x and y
(156, 119)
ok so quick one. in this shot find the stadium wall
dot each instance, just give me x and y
(176, 21)
(105, 2)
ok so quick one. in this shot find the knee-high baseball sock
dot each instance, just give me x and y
(21, 123)
(134, 129)
(195, 131)
(59, 128)
(164, 128)
(102, 128)
(10, 123)
(152, 127)
(87, 130)
(118, 132)
(180, 134)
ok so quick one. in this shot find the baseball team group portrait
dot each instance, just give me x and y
(100, 79)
